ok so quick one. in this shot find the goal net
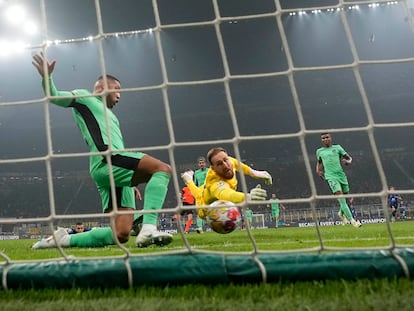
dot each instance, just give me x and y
(261, 78)
(258, 221)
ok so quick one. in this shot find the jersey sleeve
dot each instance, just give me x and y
(237, 165)
(222, 191)
(342, 151)
(65, 101)
(317, 155)
(197, 193)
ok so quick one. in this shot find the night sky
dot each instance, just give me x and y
(369, 79)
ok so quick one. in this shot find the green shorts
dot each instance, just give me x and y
(275, 212)
(123, 168)
(338, 184)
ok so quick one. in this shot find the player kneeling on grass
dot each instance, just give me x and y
(93, 113)
(221, 181)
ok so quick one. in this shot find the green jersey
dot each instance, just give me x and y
(200, 176)
(331, 160)
(90, 114)
(249, 215)
(274, 203)
(94, 118)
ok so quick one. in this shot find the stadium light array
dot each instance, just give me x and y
(11, 47)
(352, 7)
(30, 28)
(15, 14)
(17, 25)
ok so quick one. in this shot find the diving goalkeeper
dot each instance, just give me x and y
(221, 181)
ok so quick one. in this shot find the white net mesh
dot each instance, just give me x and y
(261, 78)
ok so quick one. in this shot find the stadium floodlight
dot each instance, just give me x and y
(18, 46)
(30, 28)
(3, 48)
(15, 14)
(11, 47)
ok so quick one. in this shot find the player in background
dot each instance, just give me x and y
(329, 160)
(201, 173)
(92, 114)
(276, 206)
(196, 191)
(352, 207)
(221, 181)
(394, 202)
(187, 199)
(163, 221)
(79, 228)
(249, 216)
(199, 179)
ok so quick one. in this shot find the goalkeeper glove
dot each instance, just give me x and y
(258, 194)
(262, 175)
(187, 176)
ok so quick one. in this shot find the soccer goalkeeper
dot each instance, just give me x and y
(221, 181)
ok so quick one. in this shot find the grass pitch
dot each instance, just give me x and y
(380, 294)
(263, 240)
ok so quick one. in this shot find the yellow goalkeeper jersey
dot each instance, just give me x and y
(217, 188)
(197, 193)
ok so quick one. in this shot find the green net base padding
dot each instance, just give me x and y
(180, 269)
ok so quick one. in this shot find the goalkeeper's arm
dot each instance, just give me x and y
(197, 192)
(261, 175)
(231, 195)
(228, 194)
(247, 170)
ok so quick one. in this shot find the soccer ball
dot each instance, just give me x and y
(223, 217)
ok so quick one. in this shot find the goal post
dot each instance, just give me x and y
(258, 221)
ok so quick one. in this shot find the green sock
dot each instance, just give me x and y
(154, 195)
(97, 237)
(344, 208)
(199, 222)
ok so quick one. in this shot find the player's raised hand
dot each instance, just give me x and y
(39, 61)
(258, 194)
